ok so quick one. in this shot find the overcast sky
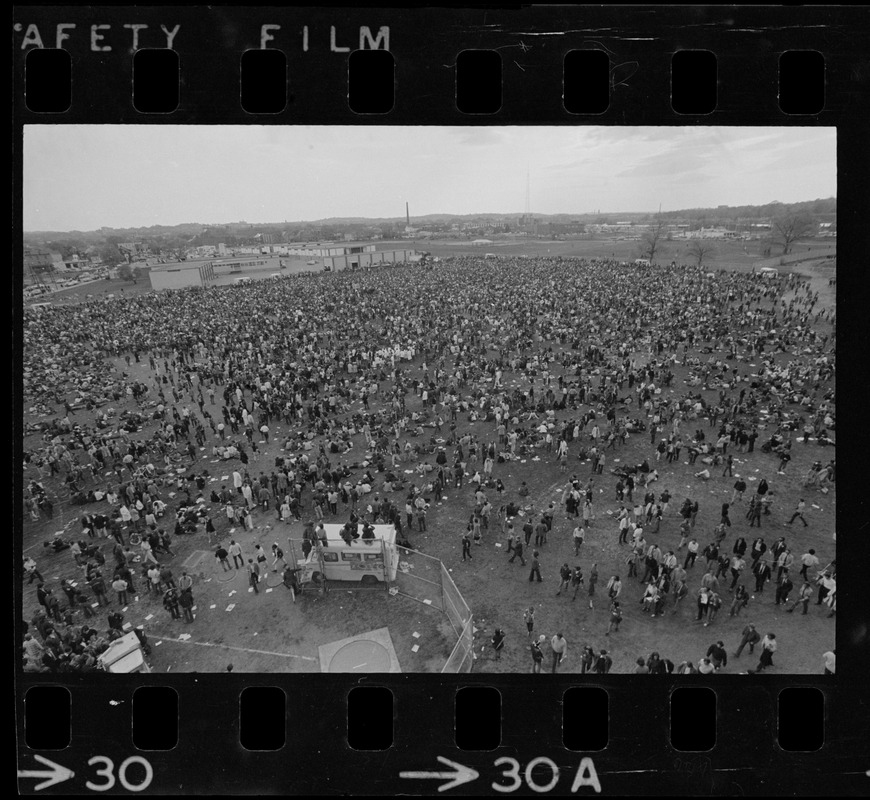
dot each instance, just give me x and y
(83, 177)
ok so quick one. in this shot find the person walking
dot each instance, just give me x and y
(466, 546)
(253, 575)
(560, 650)
(576, 581)
(565, 578)
(277, 557)
(750, 637)
(804, 595)
(768, 648)
(799, 513)
(535, 572)
(740, 600)
(738, 564)
(518, 552)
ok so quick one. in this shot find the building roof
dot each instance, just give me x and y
(176, 265)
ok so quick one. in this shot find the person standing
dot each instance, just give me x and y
(615, 618)
(762, 573)
(578, 536)
(221, 555)
(593, 579)
(235, 551)
(185, 583)
(170, 602)
(537, 654)
(565, 578)
(185, 600)
(718, 655)
(808, 560)
(783, 588)
(560, 650)
(253, 575)
(603, 663)
(827, 586)
(529, 620)
(498, 642)
(535, 571)
(121, 587)
(31, 571)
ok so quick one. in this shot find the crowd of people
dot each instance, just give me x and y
(392, 386)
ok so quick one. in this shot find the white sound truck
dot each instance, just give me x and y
(364, 561)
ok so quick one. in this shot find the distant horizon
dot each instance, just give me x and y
(81, 178)
(601, 213)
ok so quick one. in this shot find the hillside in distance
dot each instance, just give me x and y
(822, 209)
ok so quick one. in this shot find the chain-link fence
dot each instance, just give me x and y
(418, 576)
(426, 580)
(462, 657)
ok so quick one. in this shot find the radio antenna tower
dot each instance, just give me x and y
(528, 209)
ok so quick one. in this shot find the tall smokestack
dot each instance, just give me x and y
(407, 216)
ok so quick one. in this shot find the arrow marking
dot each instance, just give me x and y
(461, 774)
(55, 774)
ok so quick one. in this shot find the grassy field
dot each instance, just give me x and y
(266, 632)
(728, 254)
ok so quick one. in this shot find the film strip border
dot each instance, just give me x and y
(642, 65)
(224, 735)
(543, 737)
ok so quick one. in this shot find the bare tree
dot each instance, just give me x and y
(651, 241)
(787, 230)
(700, 249)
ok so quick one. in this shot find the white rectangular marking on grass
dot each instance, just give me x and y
(150, 616)
(415, 648)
